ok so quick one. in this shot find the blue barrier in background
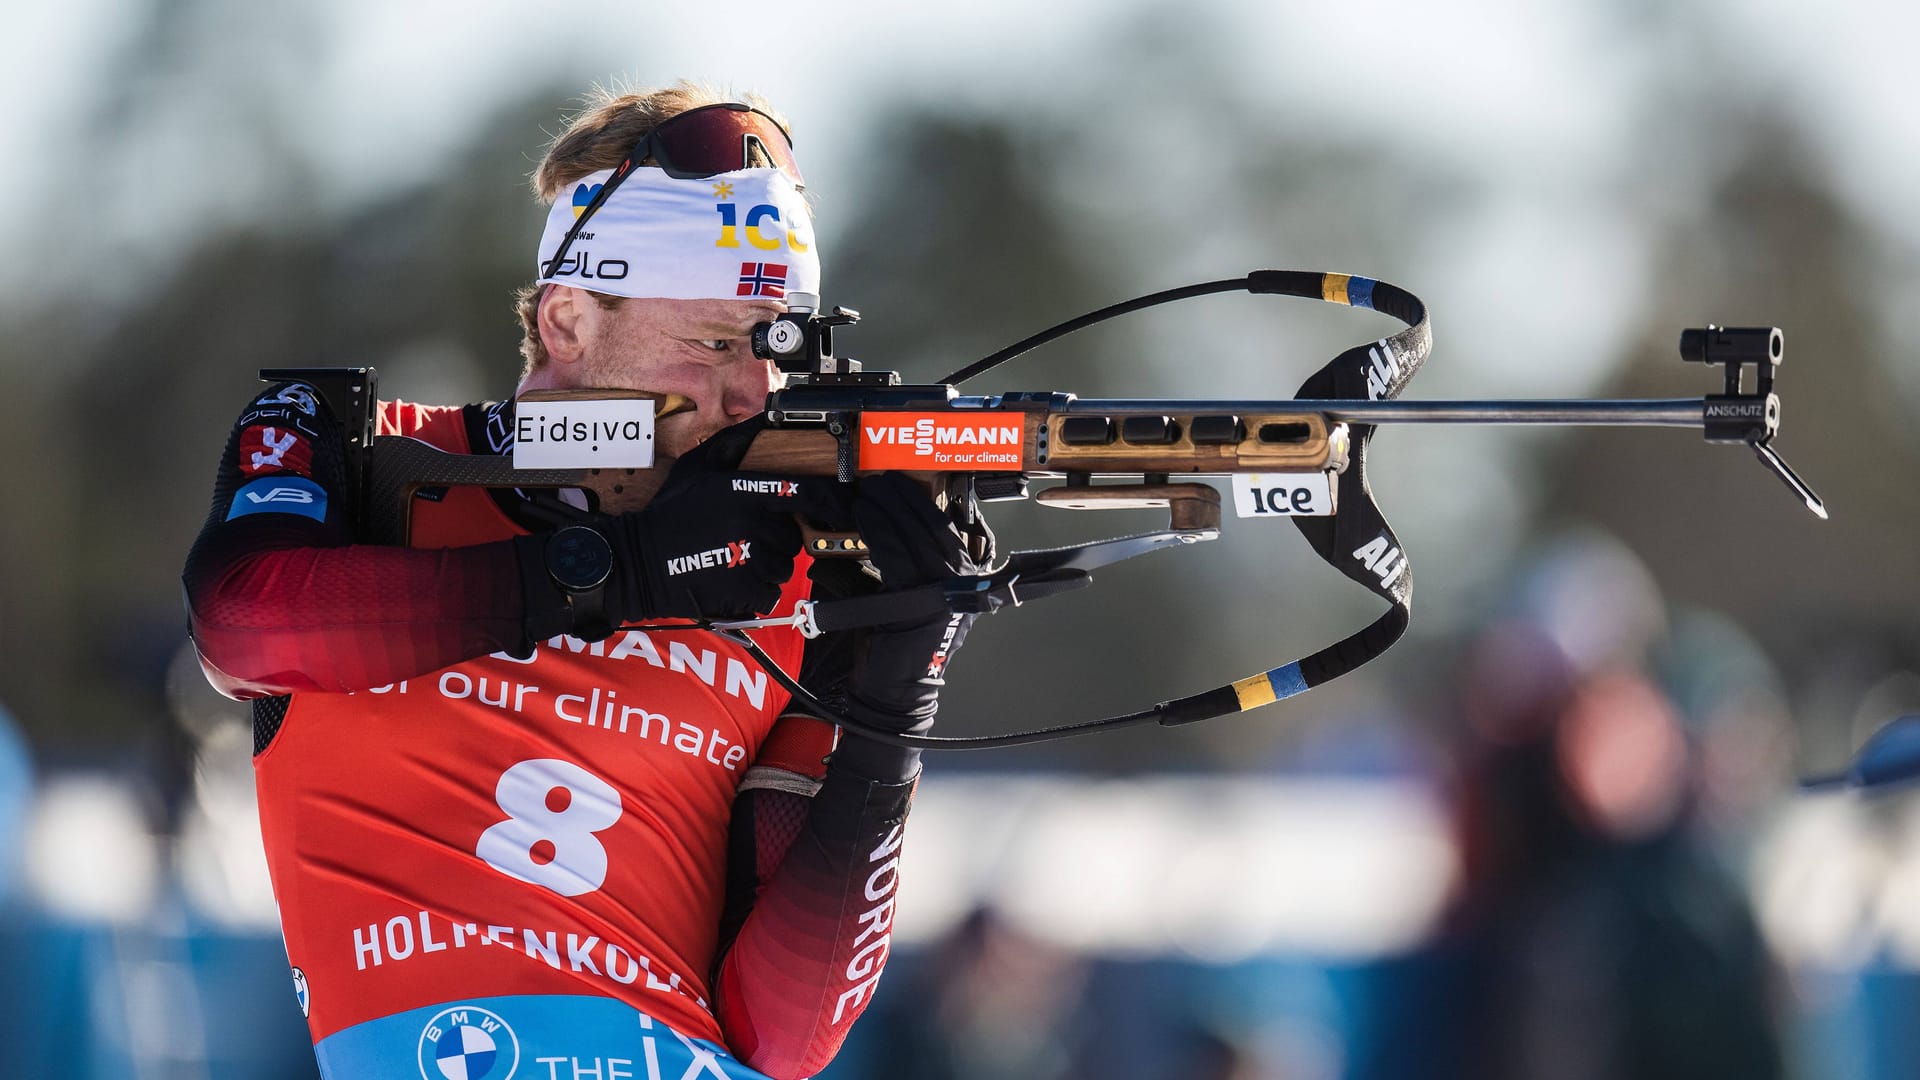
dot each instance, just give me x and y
(90, 1002)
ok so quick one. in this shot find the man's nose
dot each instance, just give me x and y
(746, 390)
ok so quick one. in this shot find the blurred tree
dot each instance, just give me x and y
(1772, 246)
(36, 577)
(961, 247)
(975, 232)
(417, 283)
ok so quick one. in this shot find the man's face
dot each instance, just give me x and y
(697, 348)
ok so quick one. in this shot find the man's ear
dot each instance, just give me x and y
(565, 322)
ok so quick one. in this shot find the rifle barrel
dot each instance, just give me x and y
(1635, 412)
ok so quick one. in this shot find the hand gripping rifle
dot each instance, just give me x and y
(1303, 457)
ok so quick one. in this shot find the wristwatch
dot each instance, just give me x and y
(579, 560)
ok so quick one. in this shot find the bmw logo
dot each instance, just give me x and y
(300, 992)
(468, 1043)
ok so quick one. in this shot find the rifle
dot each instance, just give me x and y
(1303, 458)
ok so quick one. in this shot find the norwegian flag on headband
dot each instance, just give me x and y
(763, 279)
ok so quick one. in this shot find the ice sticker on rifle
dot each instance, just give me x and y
(1275, 495)
(609, 434)
(942, 442)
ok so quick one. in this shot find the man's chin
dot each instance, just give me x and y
(668, 449)
(674, 436)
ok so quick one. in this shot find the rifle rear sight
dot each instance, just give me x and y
(800, 342)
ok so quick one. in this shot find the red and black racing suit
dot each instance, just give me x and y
(619, 855)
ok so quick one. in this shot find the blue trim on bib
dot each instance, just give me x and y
(523, 1037)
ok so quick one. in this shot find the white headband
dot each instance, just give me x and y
(730, 236)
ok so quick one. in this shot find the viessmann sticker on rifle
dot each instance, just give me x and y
(942, 441)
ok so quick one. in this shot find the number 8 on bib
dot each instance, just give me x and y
(547, 841)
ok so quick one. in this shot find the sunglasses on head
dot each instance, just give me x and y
(719, 138)
(696, 144)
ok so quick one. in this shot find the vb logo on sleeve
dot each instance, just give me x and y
(280, 495)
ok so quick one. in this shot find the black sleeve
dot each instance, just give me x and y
(278, 598)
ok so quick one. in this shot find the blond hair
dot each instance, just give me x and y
(600, 137)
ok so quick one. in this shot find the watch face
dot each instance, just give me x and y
(579, 558)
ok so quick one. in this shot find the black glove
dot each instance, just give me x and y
(714, 543)
(897, 675)
(717, 546)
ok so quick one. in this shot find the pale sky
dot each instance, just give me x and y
(1487, 82)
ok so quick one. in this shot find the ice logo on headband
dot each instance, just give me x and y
(734, 235)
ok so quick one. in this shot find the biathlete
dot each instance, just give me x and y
(510, 834)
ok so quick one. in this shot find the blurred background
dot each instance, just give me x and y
(1555, 833)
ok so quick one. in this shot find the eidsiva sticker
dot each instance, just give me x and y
(609, 434)
(942, 442)
(1258, 495)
